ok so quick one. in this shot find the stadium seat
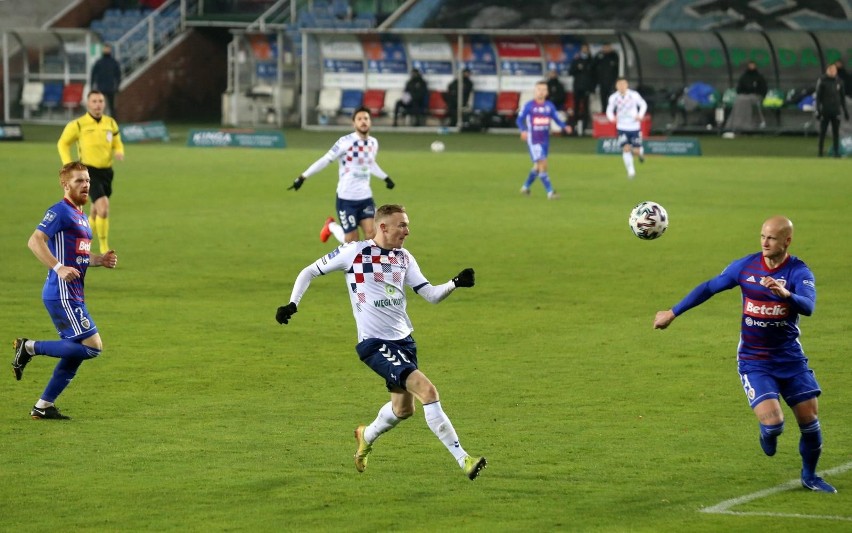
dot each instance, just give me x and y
(72, 97)
(350, 100)
(329, 101)
(484, 101)
(507, 104)
(52, 95)
(374, 100)
(31, 95)
(391, 97)
(437, 105)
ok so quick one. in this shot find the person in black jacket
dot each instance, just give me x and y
(584, 84)
(106, 77)
(555, 90)
(752, 87)
(830, 100)
(606, 72)
(413, 100)
(452, 96)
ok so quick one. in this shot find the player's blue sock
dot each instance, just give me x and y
(545, 180)
(810, 446)
(530, 179)
(65, 349)
(64, 372)
(769, 437)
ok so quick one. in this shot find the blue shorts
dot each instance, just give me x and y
(633, 138)
(538, 151)
(794, 382)
(351, 212)
(393, 360)
(71, 318)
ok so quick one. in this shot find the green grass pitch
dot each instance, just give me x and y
(203, 414)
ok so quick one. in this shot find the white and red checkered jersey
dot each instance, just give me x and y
(356, 159)
(376, 279)
(626, 109)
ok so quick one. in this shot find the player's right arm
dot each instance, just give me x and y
(69, 136)
(521, 121)
(338, 259)
(38, 244)
(610, 108)
(700, 294)
(329, 157)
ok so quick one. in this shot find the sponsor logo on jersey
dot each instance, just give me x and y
(751, 279)
(83, 246)
(809, 283)
(758, 309)
(388, 302)
(781, 282)
(750, 322)
(50, 216)
(333, 253)
(541, 121)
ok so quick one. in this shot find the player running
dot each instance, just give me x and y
(356, 155)
(377, 273)
(627, 108)
(534, 123)
(777, 288)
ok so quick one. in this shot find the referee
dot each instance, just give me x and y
(98, 140)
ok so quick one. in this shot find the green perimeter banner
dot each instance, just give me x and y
(656, 146)
(144, 131)
(240, 138)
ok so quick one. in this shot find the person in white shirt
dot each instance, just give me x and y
(356, 156)
(377, 271)
(627, 108)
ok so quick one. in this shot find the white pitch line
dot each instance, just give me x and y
(725, 506)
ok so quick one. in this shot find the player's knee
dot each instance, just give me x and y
(91, 353)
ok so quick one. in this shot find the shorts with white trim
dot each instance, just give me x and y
(71, 319)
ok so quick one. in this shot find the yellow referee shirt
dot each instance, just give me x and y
(96, 140)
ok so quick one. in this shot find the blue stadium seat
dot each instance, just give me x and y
(52, 97)
(484, 101)
(350, 100)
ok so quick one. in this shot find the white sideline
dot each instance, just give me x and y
(725, 506)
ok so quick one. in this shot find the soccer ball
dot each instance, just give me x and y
(438, 147)
(648, 220)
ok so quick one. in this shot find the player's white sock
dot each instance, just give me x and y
(41, 404)
(628, 162)
(29, 346)
(337, 231)
(642, 151)
(383, 423)
(443, 429)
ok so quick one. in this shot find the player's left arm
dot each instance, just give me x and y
(107, 260)
(643, 107)
(554, 115)
(801, 291)
(415, 279)
(117, 145)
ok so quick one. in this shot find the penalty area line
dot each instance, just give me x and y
(725, 506)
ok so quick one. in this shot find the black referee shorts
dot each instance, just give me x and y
(101, 182)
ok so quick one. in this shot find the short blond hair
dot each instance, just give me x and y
(388, 210)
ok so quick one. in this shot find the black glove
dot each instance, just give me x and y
(465, 278)
(285, 312)
(389, 183)
(296, 183)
